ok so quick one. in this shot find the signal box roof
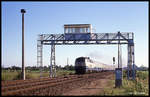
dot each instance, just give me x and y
(76, 25)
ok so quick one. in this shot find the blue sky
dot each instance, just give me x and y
(49, 18)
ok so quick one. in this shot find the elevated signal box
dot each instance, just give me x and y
(77, 31)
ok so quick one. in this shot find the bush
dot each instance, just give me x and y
(142, 75)
(18, 77)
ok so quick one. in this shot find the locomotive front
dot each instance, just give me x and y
(80, 66)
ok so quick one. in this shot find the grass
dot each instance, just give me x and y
(16, 75)
(9, 75)
(139, 86)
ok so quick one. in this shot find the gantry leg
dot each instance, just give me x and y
(52, 62)
(118, 71)
(131, 64)
(39, 56)
(119, 56)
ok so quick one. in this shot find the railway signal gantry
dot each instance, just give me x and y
(81, 34)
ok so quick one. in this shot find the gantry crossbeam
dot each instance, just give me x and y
(95, 38)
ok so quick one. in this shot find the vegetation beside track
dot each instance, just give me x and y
(14, 73)
(139, 86)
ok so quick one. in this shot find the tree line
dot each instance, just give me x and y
(66, 67)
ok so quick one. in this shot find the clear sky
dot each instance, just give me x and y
(49, 18)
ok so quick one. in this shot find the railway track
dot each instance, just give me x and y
(48, 86)
(30, 83)
(19, 82)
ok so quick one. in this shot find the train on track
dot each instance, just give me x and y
(86, 65)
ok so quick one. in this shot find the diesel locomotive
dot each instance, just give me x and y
(86, 65)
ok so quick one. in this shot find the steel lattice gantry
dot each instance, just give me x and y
(95, 38)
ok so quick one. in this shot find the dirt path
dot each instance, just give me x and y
(94, 88)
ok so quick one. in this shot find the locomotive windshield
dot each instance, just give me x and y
(80, 60)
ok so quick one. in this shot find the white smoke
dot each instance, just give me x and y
(100, 57)
(95, 55)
